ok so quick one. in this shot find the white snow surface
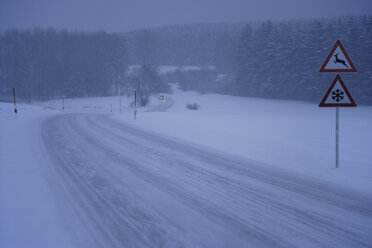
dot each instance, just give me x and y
(166, 69)
(291, 135)
(238, 172)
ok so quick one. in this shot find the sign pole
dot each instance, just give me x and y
(337, 94)
(337, 136)
(63, 103)
(120, 104)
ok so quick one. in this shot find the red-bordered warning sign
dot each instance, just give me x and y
(337, 95)
(338, 60)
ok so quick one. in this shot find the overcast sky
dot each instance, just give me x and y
(124, 15)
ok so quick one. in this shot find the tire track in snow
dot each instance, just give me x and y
(107, 214)
(110, 168)
(335, 197)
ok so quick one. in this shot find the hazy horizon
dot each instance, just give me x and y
(123, 16)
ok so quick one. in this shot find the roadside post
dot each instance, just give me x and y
(15, 103)
(135, 104)
(337, 94)
(120, 104)
(63, 103)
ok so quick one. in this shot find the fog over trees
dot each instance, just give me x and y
(269, 59)
(282, 60)
(43, 64)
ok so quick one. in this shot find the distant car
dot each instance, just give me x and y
(162, 97)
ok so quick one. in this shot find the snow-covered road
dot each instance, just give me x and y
(132, 188)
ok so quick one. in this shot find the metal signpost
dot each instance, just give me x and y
(337, 94)
(337, 137)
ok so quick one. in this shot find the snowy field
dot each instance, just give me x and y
(166, 69)
(238, 172)
(296, 136)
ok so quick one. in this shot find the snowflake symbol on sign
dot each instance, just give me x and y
(337, 95)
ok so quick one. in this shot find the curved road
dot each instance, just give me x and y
(131, 188)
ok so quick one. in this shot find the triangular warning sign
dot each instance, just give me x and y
(337, 95)
(338, 60)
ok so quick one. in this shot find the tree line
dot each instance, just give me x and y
(44, 63)
(191, 44)
(269, 59)
(282, 60)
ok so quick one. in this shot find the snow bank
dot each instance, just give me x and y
(30, 214)
(296, 136)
